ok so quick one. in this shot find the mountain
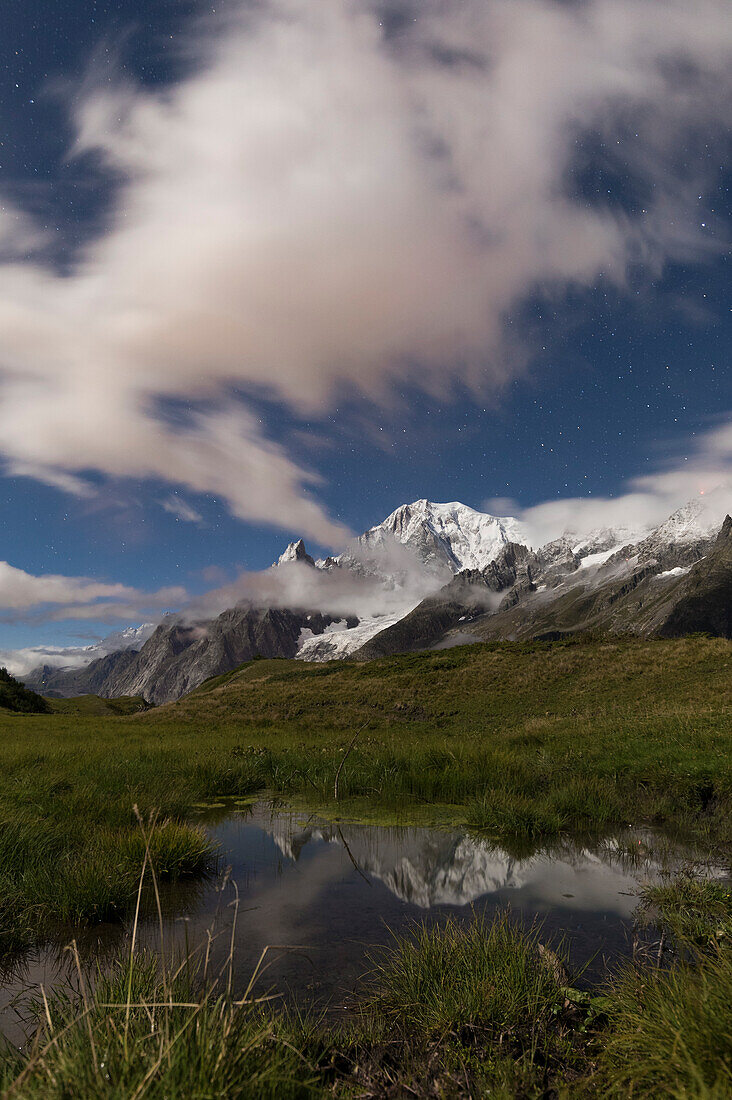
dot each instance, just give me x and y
(295, 552)
(676, 580)
(704, 601)
(96, 678)
(448, 536)
(38, 666)
(179, 656)
(483, 578)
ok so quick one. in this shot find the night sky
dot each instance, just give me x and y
(590, 374)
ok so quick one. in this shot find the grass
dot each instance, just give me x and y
(94, 705)
(468, 1010)
(143, 1029)
(671, 1032)
(524, 740)
(695, 911)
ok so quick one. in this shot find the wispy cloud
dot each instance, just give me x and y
(181, 509)
(325, 207)
(703, 471)
(55, 597)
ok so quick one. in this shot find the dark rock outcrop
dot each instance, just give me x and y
(92, 679)
(706, 602)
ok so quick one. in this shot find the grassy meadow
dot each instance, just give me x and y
(524, 741)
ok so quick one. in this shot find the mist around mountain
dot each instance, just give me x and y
(431, 575)
(28, 663)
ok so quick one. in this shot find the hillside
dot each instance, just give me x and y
(475, 691)
(522, 741)
(95, 705)
(17, 698)
(435, 575)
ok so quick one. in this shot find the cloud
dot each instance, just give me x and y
(704, 472)
(324, 207)
(57, 479)
(181, 509)
(19, 662)
(56, 597)
(298, 586)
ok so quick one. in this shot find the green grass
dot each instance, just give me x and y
(671, 1033)
(478, 1005)
(695, 911)
(173, 1043)
(469, 1010)
(95, 706)
(524, 740)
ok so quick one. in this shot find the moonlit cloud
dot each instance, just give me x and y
(322, 208)
(20, 662)
(54, 597)
(703, 473)
(176, 506)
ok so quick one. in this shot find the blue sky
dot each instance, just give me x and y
(406, 312)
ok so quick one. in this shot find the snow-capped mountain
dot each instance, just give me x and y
(432, 575)
(295, 552)
(449, 535)
(20, 662)
(696, 521)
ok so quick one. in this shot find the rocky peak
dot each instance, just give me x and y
(295, 552)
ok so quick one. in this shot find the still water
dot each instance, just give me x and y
(334, 894)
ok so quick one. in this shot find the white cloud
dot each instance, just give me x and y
(704, 472)
(181, 509)
(53, 596)
(19, 662)
(319, 208)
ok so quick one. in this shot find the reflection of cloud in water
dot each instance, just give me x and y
(431, 867)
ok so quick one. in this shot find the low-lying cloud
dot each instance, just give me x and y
(327, 205)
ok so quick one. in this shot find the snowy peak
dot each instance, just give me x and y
(451, 535)
(131, 637)
(699, 518)
(295, 552)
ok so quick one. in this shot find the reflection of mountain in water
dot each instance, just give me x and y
(422, 866)
(427, 867)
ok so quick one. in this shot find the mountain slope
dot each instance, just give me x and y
(705, 604)
(674, 579)
(640, 589)
(95, 678)
(179, 656)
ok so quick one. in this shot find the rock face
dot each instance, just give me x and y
(92, 679)
(178, 656)
(705, 600)
(675, 581)
(295, 552)
(452, 536)
(469, 595)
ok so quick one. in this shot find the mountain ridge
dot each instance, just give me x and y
(675, 577)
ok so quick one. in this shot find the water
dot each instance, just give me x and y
(334, 895)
